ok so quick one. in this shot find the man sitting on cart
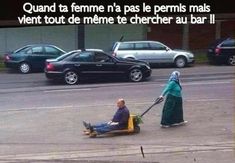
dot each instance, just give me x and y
(119, 121)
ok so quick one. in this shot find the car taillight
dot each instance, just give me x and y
(50, 67)
(217, 51)
(6, 58)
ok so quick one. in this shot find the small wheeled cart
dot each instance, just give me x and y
(134, 122)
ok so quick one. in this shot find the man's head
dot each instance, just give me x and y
(120, 103)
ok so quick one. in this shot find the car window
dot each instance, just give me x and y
(101, 57)
(157, 46)
(141, 46)
(52, 51)
(126, 46)
(25, 48)
(65, 55)
(35, 50)
(228, 43)
(83, 57)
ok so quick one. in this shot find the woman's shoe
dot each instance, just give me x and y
(179, 124)
(165, 126)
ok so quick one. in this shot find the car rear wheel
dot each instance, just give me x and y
(180, 62)
(231, 60)
(24, 68)
(135, 75)
(71, 77)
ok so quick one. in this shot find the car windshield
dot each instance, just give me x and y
(216, 42)
(228, 43)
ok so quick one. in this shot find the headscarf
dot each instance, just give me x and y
(175, 77)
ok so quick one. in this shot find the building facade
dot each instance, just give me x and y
(70, 37)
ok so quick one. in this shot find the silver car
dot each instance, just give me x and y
(152, 52)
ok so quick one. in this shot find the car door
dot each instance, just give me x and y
(228, 48)
(36, 57)
(126, 50)
(144, 52)
(83, 63)
(104, 64)
(161, 53)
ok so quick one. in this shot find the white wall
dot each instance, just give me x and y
(64, 37)
(103, 36)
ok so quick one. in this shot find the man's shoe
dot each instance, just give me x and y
(91, 128)
(87, 132)
(86, 125)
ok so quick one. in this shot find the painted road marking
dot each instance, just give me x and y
(66, 90)
(205, 83)
(127, 151)
(104, 105)
(143, 84)
(199, 77)
(207, 100)
(208, 83)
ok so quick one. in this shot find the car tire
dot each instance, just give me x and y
(231, 60)
(135, 75)
(71, 77)
(24, 68)
(180, 62)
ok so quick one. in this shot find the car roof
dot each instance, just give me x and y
(31, 45)
(145, 41)
(39, 45)
(79, 50)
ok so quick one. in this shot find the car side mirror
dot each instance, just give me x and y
(167, 49)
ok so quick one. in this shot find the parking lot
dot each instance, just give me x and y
(42, 120)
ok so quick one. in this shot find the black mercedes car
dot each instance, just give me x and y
(77, 64)
(222, 51)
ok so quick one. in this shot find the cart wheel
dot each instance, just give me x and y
(137, 129)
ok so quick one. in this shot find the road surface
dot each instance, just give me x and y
(41, 121)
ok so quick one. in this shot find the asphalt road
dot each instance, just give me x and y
(40, 121)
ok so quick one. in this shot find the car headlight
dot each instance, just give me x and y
(148, 67)
(191, 55)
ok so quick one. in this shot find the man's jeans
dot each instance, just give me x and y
(104, 127)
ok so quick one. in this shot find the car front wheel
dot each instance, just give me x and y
(180, 62)
(231, 60)
(135, 75)
(24, 68)
(71, 77)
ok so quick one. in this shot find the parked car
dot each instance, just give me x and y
(31, 57)
(152, 52)
(222, 51)
(94, 63)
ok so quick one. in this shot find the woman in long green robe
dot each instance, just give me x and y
(172, 114)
